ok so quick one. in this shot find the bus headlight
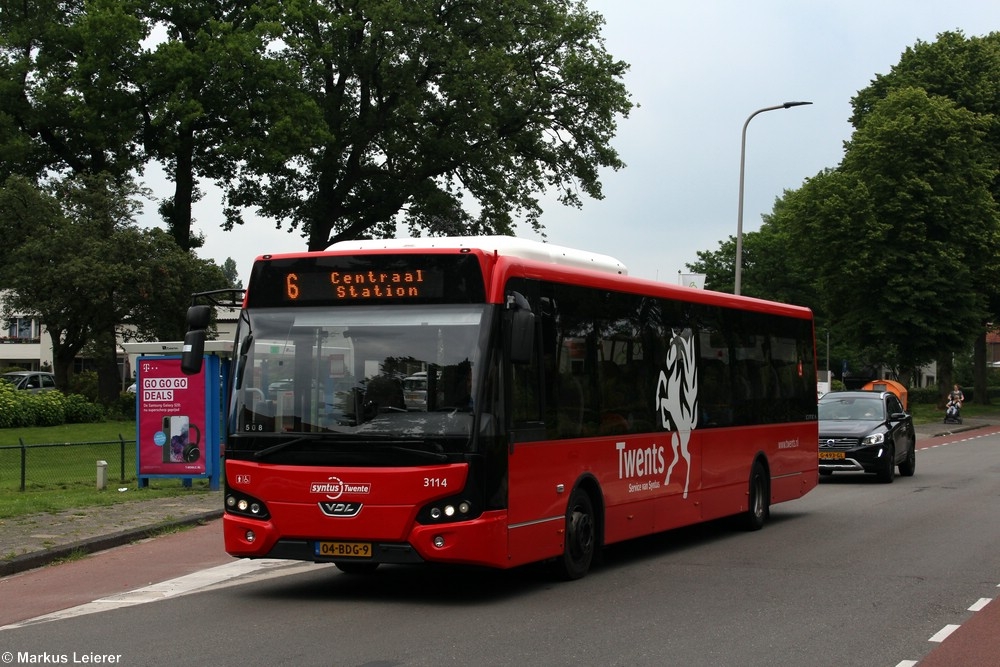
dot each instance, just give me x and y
(447, 510)
(244, 505)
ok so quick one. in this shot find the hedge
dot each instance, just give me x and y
(20, 408)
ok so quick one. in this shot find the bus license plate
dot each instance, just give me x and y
(344, 549)
(831, 455)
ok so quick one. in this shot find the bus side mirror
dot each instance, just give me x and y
(520, 330)
(198, 318)
(193, 352)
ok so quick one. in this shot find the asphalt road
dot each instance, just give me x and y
(856, 573)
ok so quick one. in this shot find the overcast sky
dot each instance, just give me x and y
(699, 68)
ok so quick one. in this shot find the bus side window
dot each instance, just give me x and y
(527, 423)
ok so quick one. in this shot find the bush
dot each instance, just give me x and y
(47, 408)
(124, 408)
(81, 411)
(21, 409)
(86, 384)
(9, 405)
(925, 395)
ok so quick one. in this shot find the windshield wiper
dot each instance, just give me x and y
(286, 443)
(423, 453)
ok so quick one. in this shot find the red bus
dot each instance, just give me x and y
(554, 405)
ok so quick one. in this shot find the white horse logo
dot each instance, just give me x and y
(677, 400)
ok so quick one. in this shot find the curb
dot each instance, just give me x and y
(91, 545)
(960, 428)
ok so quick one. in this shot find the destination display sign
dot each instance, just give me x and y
(319, 279)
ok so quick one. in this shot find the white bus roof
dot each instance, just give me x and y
(504, 245)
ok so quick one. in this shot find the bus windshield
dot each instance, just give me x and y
(357, 372)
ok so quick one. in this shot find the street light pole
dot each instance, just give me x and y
(739, 218)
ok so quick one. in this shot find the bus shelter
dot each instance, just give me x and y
(179, 430)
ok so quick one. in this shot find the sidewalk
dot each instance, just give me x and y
(35, 540)
(938, 429)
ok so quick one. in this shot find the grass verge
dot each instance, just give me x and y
(18, 504)
(99, 432)
(925, 413)
(63, 478)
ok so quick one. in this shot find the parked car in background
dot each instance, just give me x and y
(31, 380)
(866, 431)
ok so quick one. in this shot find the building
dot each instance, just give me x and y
(25, 343)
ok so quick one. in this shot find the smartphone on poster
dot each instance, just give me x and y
(178, 438)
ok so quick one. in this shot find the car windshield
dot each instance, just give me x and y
(854, 408)
(406, 372)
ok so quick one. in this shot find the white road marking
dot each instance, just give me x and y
(943, 633)
(189, 583)
(980, 603)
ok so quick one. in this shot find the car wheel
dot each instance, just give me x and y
(909, 466)
(887, 472)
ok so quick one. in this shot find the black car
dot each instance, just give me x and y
(866, 431)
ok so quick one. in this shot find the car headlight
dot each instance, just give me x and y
(873, 439)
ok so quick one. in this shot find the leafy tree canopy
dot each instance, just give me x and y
(79, 262)
(900, 243)
(338, 119)
(422, 105)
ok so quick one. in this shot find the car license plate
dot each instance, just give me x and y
(831, 455)
(344, 549)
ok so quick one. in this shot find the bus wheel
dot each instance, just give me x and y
(580, 540)
(350, 567)
(758, 501)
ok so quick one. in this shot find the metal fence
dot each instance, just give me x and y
(64, 464)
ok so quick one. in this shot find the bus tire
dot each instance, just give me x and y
(350, 567)
(580, 539)
(758, 500)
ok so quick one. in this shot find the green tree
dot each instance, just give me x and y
(231, 273)
(67, 295)
(773, 268)
(211, 95)
(422, 105)
(717, 265)
(165, 285)
(80, 263)
(901, 236)
(68, 103)
(897, 249)
(967, 72)
(337, 119)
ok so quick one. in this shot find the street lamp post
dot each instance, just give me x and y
(739, 218)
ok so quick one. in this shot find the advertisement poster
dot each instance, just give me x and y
(171, 408)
